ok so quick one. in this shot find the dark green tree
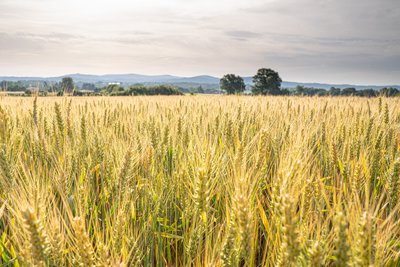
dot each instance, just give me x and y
(232, 84)
(88, 86)
(267, 82)
(300, 90)
(349, 91)
(67, 85)
(367, 93)
(389, 91)
(334, 91)
(200, 90)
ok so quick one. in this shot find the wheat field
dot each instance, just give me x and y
(199, 181)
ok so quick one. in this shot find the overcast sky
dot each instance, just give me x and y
(335, 41)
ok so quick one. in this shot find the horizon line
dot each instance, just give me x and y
(183, 77)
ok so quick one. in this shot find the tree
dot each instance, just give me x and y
(200, 90)
(267, 82)
(389, 91)
(300, 90)
(367, 93)
(334, 91)
(67, 85)
(88, 86)
(232, 84)
(349, 91)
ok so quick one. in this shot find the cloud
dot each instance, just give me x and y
(18, 43)
(25, 42)
(339, 18)
(312, 40)
(243, 35)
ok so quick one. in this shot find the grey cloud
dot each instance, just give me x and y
(316, 38)
(337, 62)
(53, 36)
(8, 9)
(339, 18)
(127, 40)
(140, 33)
(336, 41)
(22, 43)
(242, 35)
(12, 42)
(131, 38)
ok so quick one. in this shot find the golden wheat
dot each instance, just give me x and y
(199, 181)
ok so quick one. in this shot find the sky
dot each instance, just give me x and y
(331, 41)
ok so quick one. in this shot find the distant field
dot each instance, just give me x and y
(199, 181)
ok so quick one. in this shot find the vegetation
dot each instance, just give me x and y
(307, 91)
(116, 90)
(89, 86)
(67, 85)
(232, 84)
(266, 82)
(199, 181)
(12, 86)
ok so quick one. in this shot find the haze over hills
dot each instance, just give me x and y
(171, 79)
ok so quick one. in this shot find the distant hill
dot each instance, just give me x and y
(210, 81)
(327, 86)
(204, 79)
(341, 86)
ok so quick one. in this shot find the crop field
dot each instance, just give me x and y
(199, 181)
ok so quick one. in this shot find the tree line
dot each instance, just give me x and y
(67, 87)
(268, 82)
(333, 91)
(265, 82)
(116, 90)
